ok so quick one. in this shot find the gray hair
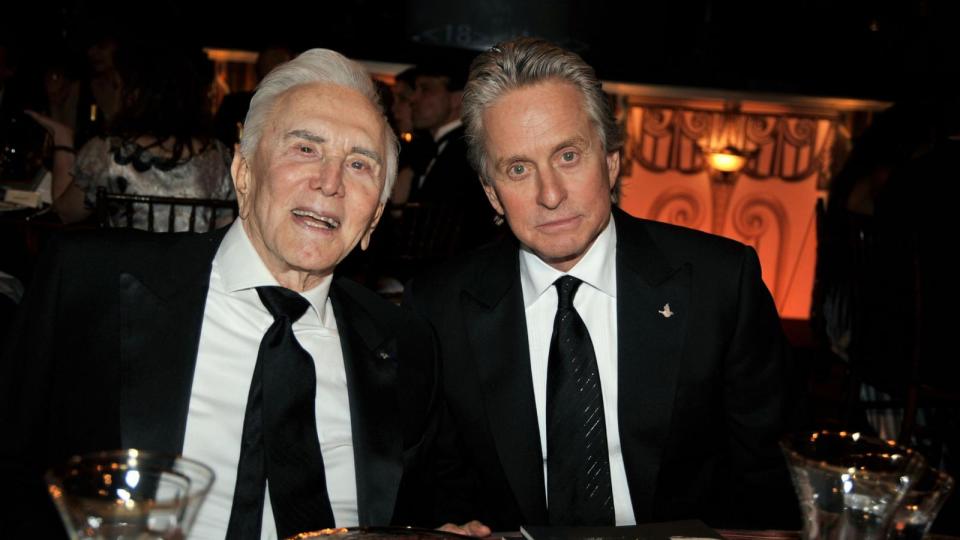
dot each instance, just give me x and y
(316, 66)
(525, 62)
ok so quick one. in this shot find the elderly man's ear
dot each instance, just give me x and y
(365, 240)
(240, 171)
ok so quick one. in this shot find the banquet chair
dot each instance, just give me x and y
(205, 214)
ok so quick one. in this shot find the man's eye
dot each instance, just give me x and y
(518, 169)
(359, 165)
(304, 149)
(569, 156)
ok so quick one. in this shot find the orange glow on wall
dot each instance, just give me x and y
(791, 148)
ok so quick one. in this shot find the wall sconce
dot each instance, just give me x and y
(725, 154)
(724, 146)
(726, 160)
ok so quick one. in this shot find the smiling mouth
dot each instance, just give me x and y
(312, 219)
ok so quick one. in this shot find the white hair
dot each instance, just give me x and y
(316, 66)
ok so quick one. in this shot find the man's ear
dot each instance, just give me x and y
(492, 197)
(613, 167)
(365, 240)
(242, 182)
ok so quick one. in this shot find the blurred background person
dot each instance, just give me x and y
(161, 141)
(229, 119)
(101, 88)
(416, 145)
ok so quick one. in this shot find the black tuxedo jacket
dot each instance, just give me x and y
(451, 181)
(103, 356)
(701, 393)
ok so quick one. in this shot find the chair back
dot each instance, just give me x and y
(204, 214)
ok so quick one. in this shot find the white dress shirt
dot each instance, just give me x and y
(234, 322)
(596, 302)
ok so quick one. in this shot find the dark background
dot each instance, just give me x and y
(867, 49)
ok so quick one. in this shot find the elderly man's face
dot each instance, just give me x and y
(311, 192)
(550, 174)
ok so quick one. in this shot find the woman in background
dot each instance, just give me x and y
(160, 143)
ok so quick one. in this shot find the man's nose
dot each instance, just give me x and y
(328, 177)
(551, 191)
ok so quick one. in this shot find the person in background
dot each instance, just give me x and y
(228, 123)
(416, 145)
(448, 181)
(161, 142)
(101, 88)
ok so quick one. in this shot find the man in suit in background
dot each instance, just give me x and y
(448, 181)
(236, 346)
(597, 369)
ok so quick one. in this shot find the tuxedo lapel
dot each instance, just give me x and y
(370, 362)
(493, 312)
(162, 296)
(653, 302)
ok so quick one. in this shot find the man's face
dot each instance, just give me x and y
(432, 105)
(549, 173)
(312, 190)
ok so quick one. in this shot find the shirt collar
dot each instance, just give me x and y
(447, 128)
(597, 268)
(241, 268)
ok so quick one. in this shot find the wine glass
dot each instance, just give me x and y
(129, 494)
(849, 485)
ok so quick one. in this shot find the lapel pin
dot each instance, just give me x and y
(666, 311)
(383, 355)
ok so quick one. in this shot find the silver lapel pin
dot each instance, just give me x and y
(666, 311)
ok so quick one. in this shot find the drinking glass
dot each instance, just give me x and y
(920, 506)
(129, 494)
(849, 485)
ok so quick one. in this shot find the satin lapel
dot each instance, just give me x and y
(496, 326)
(370, 362)
(163, 296)
(650, 346)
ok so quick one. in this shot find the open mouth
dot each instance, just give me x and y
(312, 219)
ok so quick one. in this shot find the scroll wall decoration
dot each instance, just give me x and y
(790, 147)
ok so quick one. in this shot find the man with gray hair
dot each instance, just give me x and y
(598, 369)
(310, 397)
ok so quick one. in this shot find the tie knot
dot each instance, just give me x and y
(282, 302)
(566, 289)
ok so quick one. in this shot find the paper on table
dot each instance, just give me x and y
(29, 199)
(45, 187)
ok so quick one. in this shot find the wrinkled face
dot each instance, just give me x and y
(549, 173)
(311, 192)
(432, 105)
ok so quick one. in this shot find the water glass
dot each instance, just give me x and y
(128, 495)
(849, 485)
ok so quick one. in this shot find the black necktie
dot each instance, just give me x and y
(280, 441)
(578, 467)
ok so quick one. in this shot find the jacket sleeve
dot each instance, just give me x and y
(759, 402)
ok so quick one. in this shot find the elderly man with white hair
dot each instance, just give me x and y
(310, 397)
